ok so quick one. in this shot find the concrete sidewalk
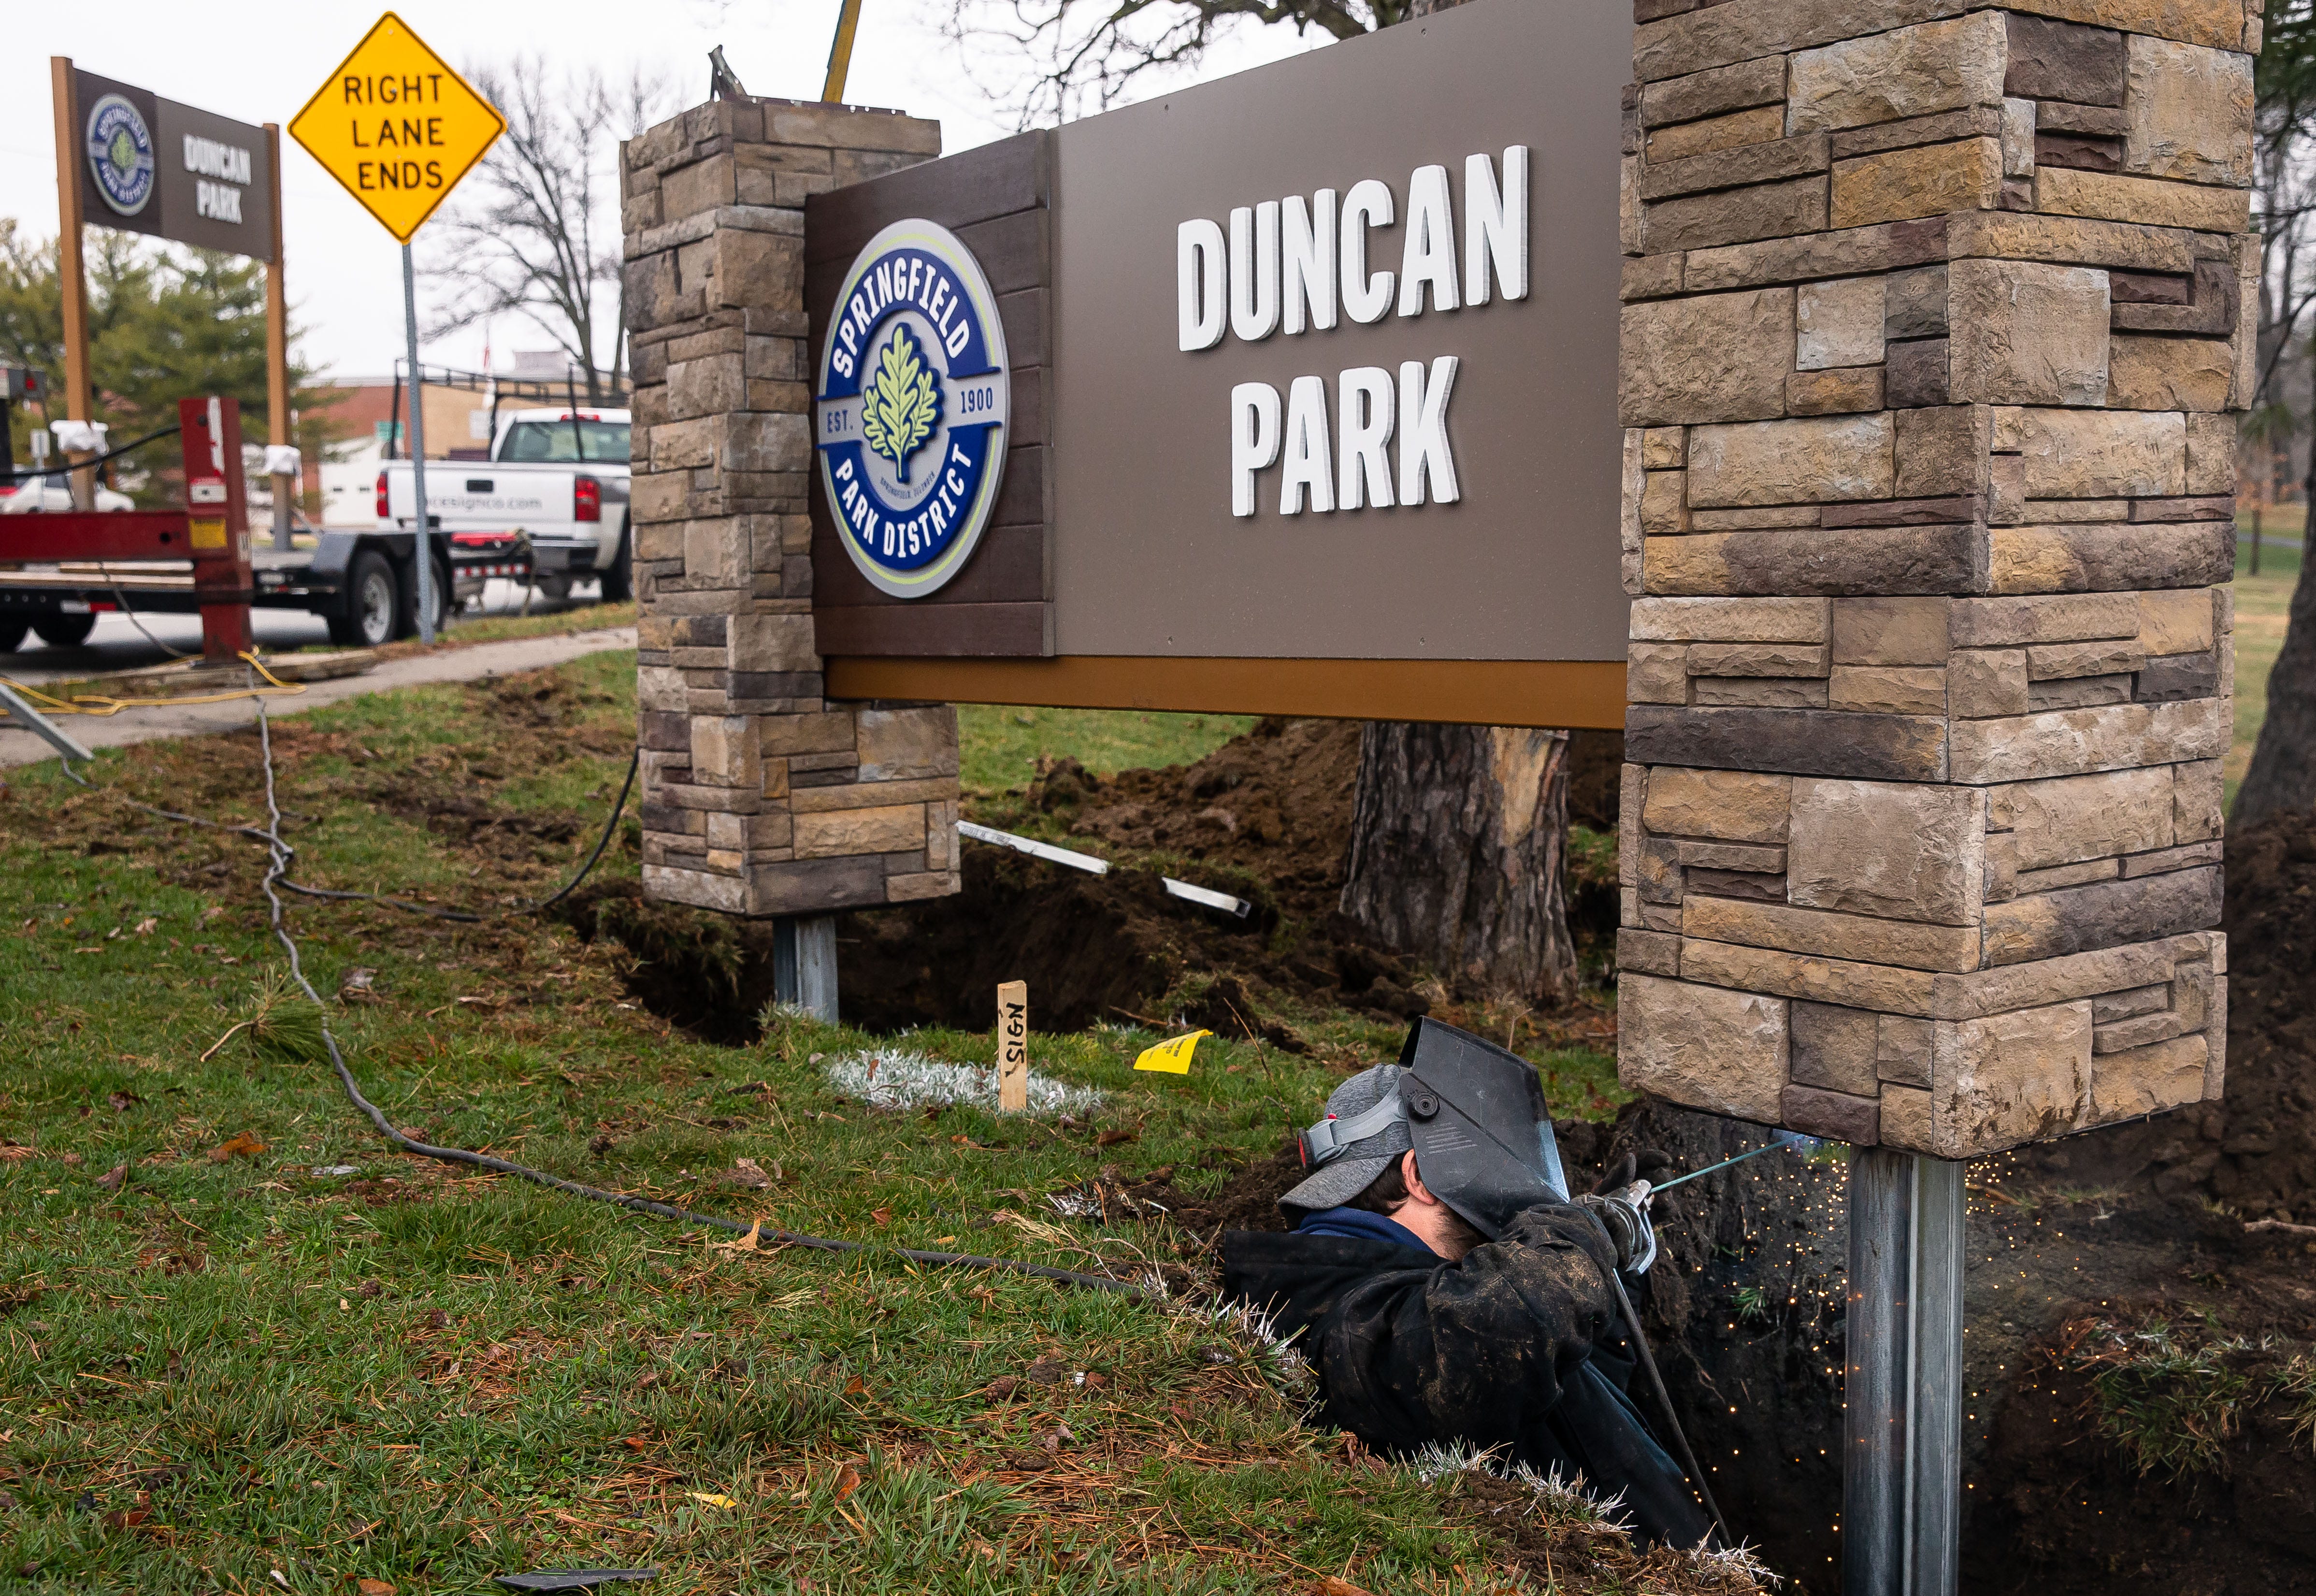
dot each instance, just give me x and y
(473, 663)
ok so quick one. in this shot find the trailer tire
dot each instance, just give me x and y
(373, 604)
(11, 633)
(64, 631)
(619, 575)
(406, 614)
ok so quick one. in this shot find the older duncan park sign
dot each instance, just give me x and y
(1305, 378)
(152, 166)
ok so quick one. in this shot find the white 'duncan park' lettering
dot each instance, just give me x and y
(220, 201)
(1353, 466)
(1296, 264)
(207, 157)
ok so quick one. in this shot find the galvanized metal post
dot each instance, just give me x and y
(1902, 1390)
(804, 963)
(425, 561)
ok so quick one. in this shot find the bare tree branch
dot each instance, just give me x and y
(1056, 59)
(538, 236)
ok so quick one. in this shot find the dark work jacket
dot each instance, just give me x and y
(1512, 1347)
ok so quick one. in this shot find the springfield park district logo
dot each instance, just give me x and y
(913, 407)
(120, 154)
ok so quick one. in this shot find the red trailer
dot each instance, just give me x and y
(60, 571)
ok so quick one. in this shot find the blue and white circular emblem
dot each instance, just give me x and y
(120, 154)
(911, 420)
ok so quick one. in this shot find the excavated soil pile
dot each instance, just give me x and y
(1275, 804)
(1266, 818)
(2256, 1150)
(1091, 948)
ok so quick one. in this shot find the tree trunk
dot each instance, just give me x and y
(2283, 772)
(1457, 833)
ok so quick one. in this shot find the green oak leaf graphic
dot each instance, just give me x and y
(900, 409)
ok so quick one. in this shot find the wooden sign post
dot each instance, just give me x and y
(1012, 1046)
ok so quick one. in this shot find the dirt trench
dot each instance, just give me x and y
(2144, 1223)
(1266, 818)
(1749, 1327)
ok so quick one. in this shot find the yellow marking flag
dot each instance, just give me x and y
(1172, 1056)
(396, 126)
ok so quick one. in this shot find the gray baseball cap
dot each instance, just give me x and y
(1364, 1133)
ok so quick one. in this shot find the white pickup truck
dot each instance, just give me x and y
(559, 475)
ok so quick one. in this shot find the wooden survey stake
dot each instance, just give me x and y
(1012, 1046)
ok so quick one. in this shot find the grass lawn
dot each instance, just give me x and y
(1002, 742)
(494, 628)
(244, 1347)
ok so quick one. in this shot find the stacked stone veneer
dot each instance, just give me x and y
(1934, 321)
(760, 796)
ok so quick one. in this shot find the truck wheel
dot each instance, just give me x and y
(373, 603)
(11, 632)
(64, 631)
(407, 616)
(620, 577)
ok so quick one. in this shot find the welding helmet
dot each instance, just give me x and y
(1473, 1113)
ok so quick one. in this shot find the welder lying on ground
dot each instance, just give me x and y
(1443, 1290)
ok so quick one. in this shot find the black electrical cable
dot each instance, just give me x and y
(122, 600)
(462, 916)
(67, 467)
(279, 853)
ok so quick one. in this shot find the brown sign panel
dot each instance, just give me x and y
(152, 166)
(1325, 372)
(1414, 124)
(216, 182)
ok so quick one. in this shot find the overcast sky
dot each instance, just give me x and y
(259, 61)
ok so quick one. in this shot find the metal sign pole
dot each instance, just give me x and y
(1902, 1390)
(418, 451)
(277, 346)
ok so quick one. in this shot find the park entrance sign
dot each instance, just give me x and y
(1313, 393)
(1913, 447)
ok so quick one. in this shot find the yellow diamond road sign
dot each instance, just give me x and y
(396, 126)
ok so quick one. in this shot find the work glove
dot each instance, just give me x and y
(1624, 1213)
(1646, 1163)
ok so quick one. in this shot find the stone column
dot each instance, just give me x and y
(760, 796)
(1931, 341)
